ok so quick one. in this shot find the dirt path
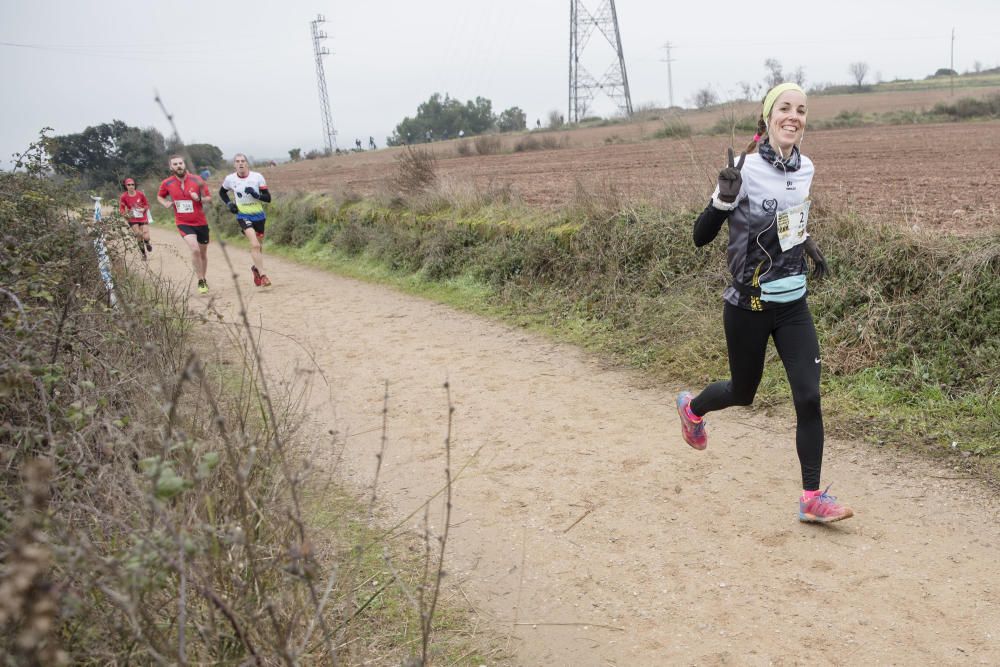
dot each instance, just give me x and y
(587, 531)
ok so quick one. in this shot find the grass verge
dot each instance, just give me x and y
(909, 323)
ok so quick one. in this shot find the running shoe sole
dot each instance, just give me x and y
(806, 517)
(684, 420)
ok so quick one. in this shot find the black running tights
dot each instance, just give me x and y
(794, 335)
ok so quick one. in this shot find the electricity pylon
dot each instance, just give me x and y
(582, 85)
(329, 134)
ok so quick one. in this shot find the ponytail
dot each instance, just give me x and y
(761, 131)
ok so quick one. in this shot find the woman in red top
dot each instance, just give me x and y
(135, 207)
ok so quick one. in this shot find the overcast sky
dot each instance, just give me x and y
(241, 74)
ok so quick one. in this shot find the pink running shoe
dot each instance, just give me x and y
(693, 431)
(823, 509)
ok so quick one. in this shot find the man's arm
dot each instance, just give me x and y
(161, 197)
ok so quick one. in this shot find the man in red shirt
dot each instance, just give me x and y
(187, 193)
(135, 207)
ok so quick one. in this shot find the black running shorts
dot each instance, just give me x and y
(200, 231)
(257, 226)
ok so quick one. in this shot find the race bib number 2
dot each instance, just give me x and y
(792, 224)
(184, 206)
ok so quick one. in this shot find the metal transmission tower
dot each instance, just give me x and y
(582, 85)
(329, 134)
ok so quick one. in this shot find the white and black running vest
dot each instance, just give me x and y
(764, 275)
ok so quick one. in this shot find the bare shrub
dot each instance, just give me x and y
(674, 128)
(467, 197)
(464, 148)
(416, 170)
(528, 143)
(533, 142)
(488, 144)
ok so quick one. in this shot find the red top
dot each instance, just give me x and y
(187, 211)
(128, 206)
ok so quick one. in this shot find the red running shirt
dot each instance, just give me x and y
(128, 206)
(187, 211)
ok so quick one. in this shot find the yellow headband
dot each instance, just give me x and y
(773, 95)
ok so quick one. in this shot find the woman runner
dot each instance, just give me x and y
(765, 198)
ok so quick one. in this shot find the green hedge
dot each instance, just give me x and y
(909, 323)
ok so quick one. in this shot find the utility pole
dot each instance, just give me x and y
(670, 75)
(582, 85)
(952, 75)
(329, 134)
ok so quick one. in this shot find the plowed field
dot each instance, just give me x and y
(932, 176)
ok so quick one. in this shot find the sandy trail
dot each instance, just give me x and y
(588, 532)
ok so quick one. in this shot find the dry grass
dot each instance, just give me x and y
(488, 144)
(416, 170)
(158, 508)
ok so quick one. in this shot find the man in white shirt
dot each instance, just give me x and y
(249, 190)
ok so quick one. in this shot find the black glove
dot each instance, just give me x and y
(233, 208)
(253, 193)
(730, 179)
(820, 268)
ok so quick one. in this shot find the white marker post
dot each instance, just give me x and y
(103, 261)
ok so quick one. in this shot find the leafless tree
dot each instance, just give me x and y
(774, 73)
(798, 76)
(749, 91)
(704, 98)
(859, 71)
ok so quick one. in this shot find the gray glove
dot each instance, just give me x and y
(730, 179)
(820, 268)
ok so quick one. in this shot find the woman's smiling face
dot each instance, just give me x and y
(788, 120)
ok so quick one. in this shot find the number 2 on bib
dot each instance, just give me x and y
(792, 223)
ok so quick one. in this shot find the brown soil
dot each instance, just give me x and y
(584, 530)
(925, 176)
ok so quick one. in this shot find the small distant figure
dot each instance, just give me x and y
(371, 143)
(272, 163)
(429, 136)
(205, 173)
(357, 142)
(538, 123)
(461, 133)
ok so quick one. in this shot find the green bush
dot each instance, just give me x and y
(673, 129)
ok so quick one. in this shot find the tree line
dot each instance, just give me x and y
(444, 117)
(106, 154)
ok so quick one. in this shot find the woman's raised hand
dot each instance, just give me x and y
(730, 179)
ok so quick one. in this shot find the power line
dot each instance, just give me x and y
(112, 54)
